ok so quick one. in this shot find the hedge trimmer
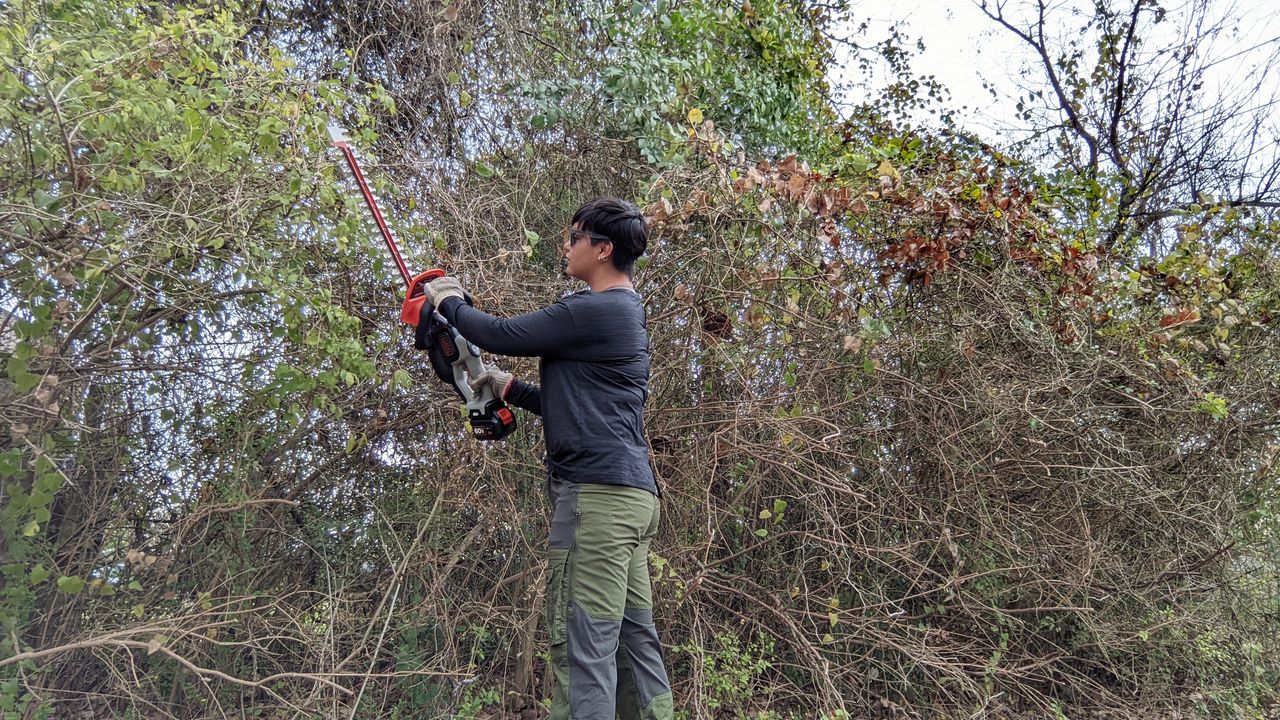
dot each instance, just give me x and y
(452, 357)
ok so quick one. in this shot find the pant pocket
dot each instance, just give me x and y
(557, 600)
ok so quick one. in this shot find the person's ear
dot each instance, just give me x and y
(606, 249)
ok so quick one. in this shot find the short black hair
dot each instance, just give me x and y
(619, 221)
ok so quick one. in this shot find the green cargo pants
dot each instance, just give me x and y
(604, 646)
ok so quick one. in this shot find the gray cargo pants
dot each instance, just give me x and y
(604, 646)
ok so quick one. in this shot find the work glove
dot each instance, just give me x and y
(442, 288)
(498, 381)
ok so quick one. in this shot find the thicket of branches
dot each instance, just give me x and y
(929, 446)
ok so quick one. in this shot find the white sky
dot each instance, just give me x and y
(963, 47)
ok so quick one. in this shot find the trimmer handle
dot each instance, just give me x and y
(454, 359)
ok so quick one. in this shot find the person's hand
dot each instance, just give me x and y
(498, 381)
(442, 288)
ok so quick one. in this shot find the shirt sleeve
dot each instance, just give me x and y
(525, 396)
(541, 333)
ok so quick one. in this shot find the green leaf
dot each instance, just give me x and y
(137, 610)
(23, 379)
(30, 529)
(135, 585)
(44, 199)
(761, 532)
(70, 584)
(1213, 405)
(402, 378)
(354, 441)
(10, 462)
(483, 170)
(50, 482)
(38, 575)
(532, 237)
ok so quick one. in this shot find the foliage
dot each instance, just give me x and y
(926, 448)
(164, 305)
(1128, 113)
(726, 673)
(756, 69)
(960, 460)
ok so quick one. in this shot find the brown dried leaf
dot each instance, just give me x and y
(659, 210)
(796, 185)
(813, 201)
(833, 271)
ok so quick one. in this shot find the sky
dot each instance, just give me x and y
(963, 47)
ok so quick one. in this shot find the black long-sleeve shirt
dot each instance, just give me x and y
(593, 351)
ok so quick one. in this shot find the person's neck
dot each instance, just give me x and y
(609, 281)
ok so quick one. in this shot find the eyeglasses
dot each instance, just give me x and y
(573, 235)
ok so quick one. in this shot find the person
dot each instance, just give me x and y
(593, 351)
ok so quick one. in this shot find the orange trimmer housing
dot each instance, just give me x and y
(416, 296)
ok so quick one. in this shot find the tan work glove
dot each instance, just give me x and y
(443, 287)
(498, 381)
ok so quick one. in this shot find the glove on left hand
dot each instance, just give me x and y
(443, 287)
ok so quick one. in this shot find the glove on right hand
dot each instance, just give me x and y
(498, 381)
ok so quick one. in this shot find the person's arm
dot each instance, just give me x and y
(549, 331)
(526, 396)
